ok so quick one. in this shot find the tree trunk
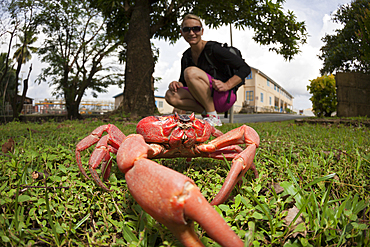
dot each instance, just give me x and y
(24, 93)
(138, 95)
(72, 105)
(72, 109)
(15, 102)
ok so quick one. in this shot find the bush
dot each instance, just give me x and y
(324, 97)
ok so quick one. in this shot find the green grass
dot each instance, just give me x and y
(324, 171)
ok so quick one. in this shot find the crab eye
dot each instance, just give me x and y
(184, 118)
(176, 116)
(192, 117)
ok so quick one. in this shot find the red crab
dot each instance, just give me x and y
(170, 197)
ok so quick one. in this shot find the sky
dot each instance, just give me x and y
(292, 75)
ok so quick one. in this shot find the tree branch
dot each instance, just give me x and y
(87, 42)
(8, 54)
(170, 11)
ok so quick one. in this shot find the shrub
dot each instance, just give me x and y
(324, 97)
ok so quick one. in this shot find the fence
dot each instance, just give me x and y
(353, 90)
(56, 107)
(262, 109)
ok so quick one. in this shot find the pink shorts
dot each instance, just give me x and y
(220, 98)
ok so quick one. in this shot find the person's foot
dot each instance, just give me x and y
(212, 120)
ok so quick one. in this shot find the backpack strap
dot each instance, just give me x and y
(209, 54)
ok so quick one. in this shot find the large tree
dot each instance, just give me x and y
(364, 33)
(23, 24)
(136, 22)
(345, 51)
(8, 83)
(76, 48)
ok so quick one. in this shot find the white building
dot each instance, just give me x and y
(262, 94)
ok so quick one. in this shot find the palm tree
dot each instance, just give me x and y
(22, 55)
(24, 48)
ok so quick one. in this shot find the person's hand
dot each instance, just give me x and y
(175, 85)
(220, 86)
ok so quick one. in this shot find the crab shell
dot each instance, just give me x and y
(174, 131)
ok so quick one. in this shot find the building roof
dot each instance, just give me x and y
(115, 96)
(272, 81)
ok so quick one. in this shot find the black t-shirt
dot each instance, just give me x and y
(221, 57)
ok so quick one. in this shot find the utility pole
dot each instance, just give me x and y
(231, 119)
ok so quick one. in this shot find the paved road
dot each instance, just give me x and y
(254, 118)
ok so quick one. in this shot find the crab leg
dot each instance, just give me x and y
(228, 152)
(170, 197)
(105, 145)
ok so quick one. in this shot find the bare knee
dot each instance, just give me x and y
(193, 74)
(171, 97)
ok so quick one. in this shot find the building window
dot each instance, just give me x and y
(268, 82)
(249, 95)
(261, 97)
(249, 77)
(276, 103)
(270, 100)
(160, 104)
(275, 87)
(278, 89)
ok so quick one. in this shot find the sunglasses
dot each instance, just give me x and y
(195, 29)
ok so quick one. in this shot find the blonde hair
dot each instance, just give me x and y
(191, 17)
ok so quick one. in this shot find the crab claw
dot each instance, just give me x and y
(240, 163)
(242, 135)
(170, 197)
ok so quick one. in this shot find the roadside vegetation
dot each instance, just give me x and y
(313, 189)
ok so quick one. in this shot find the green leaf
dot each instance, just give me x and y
(23, 198)
(238, 199)
(246, 202)
(257, 215)
(129, 235)
(218, 210)
(58, 228)
(300, 228)
(353, 217)
(62, 168)
(363, 226)
(3, 186)
(224, 207)
(5, 238)
(290, 244)
(55, 178)
(304, 242)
